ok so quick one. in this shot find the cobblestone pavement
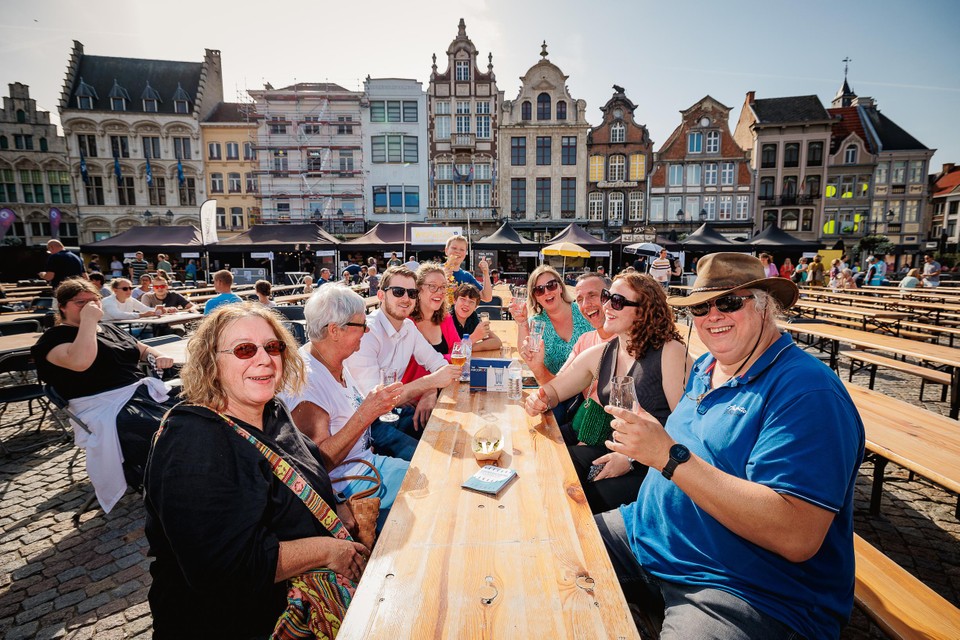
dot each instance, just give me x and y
(57, 581)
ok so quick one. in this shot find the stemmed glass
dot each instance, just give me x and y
(388, 377)
(458, 355)
(623, 394)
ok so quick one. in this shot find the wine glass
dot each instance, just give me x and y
(388, 377)
(458, 356)
(623, 394)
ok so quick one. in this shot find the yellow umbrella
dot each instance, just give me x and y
(567, 250)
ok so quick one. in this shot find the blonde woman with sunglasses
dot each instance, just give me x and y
(549, 302)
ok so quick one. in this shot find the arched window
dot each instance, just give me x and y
(561, 109)
(525, 110)
(618, 133)
(543, 106)
(21, 116)
(850, 154)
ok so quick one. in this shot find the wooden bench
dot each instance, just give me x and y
(902, 606)
(871, 361)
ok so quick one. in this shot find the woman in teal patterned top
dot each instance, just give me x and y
(548, 300)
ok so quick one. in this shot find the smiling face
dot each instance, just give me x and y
(456, 252)
(551, 301)
(730, 337)
(464, 306)
(588, 299)
(433, 293)
(620, 322)
(398, 309)
(122, 290)
(248, 384)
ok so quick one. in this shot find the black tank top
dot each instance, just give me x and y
(647, 380)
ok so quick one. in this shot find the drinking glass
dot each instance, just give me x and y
(537, 327)
(388, 377)
(458, 356)
(623, 394)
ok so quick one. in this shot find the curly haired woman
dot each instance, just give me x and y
(646, 347)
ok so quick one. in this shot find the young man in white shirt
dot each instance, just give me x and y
(389, 344)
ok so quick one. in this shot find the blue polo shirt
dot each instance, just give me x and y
(218, 300)
(789, 424)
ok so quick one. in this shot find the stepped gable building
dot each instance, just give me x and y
(132, 129)
(463, 106)
(788, 139)
(701, 174)
(394, 133)
(543, 167)
(229, 138)
(34, 174)
(945, 201)
(619, 153)
(310, 156)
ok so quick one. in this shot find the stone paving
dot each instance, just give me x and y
(57, 581)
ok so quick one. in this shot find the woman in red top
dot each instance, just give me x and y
(787, 269)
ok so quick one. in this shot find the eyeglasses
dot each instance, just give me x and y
(159, 286)
(366, 329)
(540, 289)
(246, 350)
(125, 288)
(617, 301)
(399, 291)
(724, 304)
(433, 288)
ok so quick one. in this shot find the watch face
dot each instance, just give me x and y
(704, 121)
(679, 453)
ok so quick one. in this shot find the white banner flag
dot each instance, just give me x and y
(208, 222)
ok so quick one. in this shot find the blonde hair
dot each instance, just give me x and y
(423, 271)
(533, 306)
(201, 373)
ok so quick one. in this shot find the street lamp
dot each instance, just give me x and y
(703, 216)
(681, 216)
(147, 217)
(169, 216)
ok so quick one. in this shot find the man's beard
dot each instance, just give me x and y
(396, 313)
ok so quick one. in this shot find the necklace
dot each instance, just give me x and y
(333, 370)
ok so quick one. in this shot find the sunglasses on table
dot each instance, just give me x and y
(246, 350)
(617, 301)
(399, 291)
(540, 289)
(724, 304)
(366, 329)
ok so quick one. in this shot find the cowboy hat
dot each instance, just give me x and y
(721, 273)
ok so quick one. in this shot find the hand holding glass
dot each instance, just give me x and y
(623, 394)
(388, 377)
(536, 334)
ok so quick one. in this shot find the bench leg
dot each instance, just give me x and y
(879, 467)
(923, 383)
(873, 375)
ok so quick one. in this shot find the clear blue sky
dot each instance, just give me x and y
(666, 55)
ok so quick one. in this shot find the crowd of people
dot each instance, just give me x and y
(724, 493)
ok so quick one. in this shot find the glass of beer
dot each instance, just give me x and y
(458, 356)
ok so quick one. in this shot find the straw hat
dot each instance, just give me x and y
(721, 273)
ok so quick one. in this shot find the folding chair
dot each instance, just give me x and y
(291, 312)
(495, 300)
(61, 404)
(20, 365)
(14, 327)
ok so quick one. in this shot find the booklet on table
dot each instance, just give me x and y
(489, 479)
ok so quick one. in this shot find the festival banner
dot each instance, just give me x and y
(208, 222)
(55, 217)
(7, 217)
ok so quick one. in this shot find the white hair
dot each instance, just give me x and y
(763, 301)
(331, 304)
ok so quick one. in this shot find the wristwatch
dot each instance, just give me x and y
(678, 455)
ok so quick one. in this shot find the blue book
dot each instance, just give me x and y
(490, 480)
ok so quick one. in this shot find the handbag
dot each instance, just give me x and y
(591, 423)
(365, 505)
(317, 600)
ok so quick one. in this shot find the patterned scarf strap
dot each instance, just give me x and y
(289, 476)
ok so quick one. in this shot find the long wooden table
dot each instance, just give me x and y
(884, 320)
(923, 351)
(453, 563)
(18, 342)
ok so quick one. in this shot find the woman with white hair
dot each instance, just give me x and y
(331, 409)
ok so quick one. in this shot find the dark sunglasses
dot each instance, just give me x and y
(725, 304)
(125, 288)
(399, 291)
(246, 350)
(540, 289)
(366, 329)
(617, 301)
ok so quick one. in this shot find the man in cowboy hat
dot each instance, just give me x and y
(748, 530)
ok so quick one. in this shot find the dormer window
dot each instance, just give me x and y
(85, 95)
(181, 100)
(151, 99)
(118, 97)
(180, 106)
(117, 104)
(150, 106)
(463, 70)
(543, 106)
(84, 102)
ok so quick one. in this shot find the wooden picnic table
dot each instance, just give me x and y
(180, 317)
(453, 563)
(923, 351)
(18, 342)
(885, 320)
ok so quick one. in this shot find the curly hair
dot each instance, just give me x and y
(654, 326)
(201, 373)
(423, 271)
(532, 304)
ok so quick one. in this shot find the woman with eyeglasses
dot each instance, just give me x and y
(646, 347)
(96, 367)
(549, 302)
(225, 526)
(122, 305)
(331, 409)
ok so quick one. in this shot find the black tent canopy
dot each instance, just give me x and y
(577, 235)
(775, 237)
(706, 238)
(388, 236)
(505, 238)
(277, 237)
(172, 239)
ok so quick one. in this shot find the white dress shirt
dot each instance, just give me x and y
(386, 348)
(113, 309)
